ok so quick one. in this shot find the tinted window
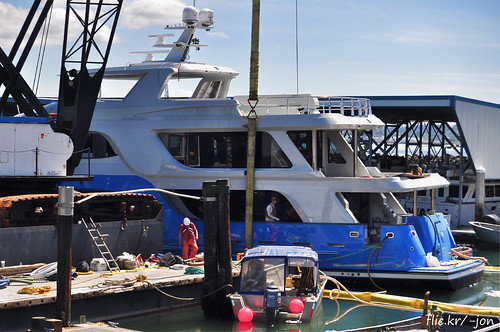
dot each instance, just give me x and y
(303, 142)
(226, 150)
(97, 146)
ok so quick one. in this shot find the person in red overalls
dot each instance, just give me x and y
(188, 234)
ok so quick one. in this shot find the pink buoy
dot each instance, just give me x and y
(296, 306)
(245, 326)
(245, 315)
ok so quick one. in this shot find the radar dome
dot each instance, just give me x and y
(206, 17)
(190, 15)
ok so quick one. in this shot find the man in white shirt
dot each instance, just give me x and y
(271, 211)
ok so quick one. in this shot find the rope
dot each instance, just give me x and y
(137, 191)
(379, 246)
(187, 298)
(454, 251)
(435, 235)
(339, 317)
(194, 270)
(340, 285)
(354, 253)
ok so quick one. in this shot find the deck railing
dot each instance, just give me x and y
(307, 104)
(347, 106)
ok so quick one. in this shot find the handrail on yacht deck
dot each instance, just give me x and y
(309, 104)
(347, 106)
(360, 107)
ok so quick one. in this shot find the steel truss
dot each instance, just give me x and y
(429, 144)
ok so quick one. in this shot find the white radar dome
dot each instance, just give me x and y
(190, 15)
(206, 17)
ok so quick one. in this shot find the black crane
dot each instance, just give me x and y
(78, 90)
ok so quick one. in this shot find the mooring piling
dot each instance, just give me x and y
(217, 243)
(64, 234)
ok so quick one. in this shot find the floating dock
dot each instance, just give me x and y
(104, 296)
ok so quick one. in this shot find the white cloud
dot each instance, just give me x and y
(10, 24)
(138, 14)
(135, 14)
(222, 35)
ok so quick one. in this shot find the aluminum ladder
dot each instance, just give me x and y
(100, 243)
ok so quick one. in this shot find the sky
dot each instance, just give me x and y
(345, 47)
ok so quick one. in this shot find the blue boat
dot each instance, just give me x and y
(310, 183)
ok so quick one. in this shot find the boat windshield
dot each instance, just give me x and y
(258, 273)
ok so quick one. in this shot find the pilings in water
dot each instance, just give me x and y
(217, 255)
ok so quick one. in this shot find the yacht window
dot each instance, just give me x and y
(303, 142)
(117, 88)
(497, 191)
(207, 89)
(454, 190)
(223, 150)
(285, 210)
(193, 150)
(490, 191)
(334, 155)
(268, 154)
(179, 88)
(174, 144)
(97, 146)
(441, 192)
(422, 193)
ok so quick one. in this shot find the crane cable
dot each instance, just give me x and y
(41, 52)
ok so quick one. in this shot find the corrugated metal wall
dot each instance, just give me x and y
(481, 129)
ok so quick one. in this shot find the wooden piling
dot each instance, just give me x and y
(64, 235)
(217, 243)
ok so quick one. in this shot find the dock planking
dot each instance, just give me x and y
(127, 292)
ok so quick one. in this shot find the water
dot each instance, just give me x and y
(332, 315)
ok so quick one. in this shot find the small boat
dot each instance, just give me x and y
(279, 282)
(486, 232)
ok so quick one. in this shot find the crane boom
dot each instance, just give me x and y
(78, 91)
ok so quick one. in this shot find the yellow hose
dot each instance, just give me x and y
(492, 268)
(403, 302)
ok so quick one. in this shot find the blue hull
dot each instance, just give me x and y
(344, 249)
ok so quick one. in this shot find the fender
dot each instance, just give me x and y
(45, 271)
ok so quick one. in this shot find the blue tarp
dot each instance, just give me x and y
(281, 251)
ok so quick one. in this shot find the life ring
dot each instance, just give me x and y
(462, 250)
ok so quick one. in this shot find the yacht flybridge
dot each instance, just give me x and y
(306, 157)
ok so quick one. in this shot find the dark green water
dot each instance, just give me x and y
(333, 315)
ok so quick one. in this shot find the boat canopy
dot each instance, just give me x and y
(281, 251)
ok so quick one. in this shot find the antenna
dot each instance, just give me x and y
(297, 44)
